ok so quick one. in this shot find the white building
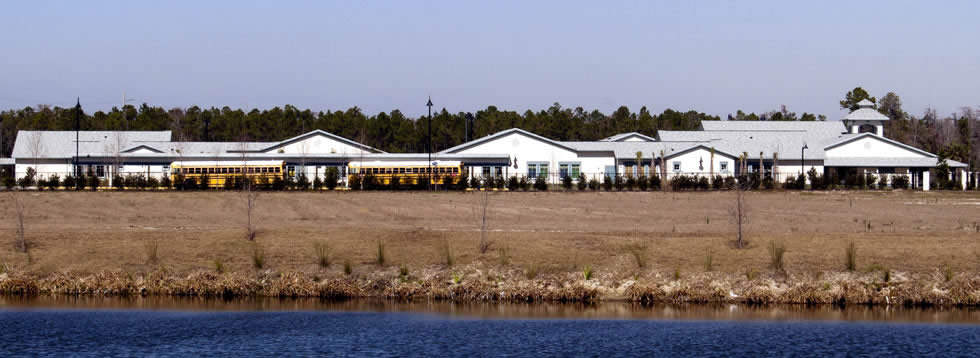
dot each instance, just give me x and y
(855, 145)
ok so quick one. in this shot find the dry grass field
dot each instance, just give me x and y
(85, 232)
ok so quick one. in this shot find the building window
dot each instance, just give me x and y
(486, 172)
(677, 167)
(291, 171)
(535, 170)
(100, 171)
(569, 169)
(724, 167)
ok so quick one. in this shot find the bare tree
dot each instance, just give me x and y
(483, 206)
(249, 194)
(36, 146)
(21, 243)
(115, 148)
(739, 214)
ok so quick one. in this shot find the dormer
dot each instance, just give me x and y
(866, 119)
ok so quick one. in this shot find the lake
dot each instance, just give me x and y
(194, 327)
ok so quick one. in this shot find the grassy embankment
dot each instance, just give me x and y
(909, 248)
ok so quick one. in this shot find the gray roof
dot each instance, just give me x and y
(854, 137)
(623, 136)
(888, 162)
(61, 144)
(822, 128)
(865, 114)
(627, 150)
(6, 161)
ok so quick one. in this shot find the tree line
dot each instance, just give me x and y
(955, 136)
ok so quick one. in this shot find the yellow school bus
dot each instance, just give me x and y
(217, 173)
(409, 173)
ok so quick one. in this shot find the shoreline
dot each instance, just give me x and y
(475, 284)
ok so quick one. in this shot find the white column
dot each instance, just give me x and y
(925, 180)
(880, 129)
(962, 178)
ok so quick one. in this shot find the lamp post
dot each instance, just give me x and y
(78, 125)
(429, 142)
(802, 157)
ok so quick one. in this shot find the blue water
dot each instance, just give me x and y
(174, 333)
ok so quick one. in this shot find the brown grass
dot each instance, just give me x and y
(555, 233)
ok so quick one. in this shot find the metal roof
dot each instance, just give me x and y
(928, 162)
(854, 137)
(866, 114)
(61, 144)
(623, 136)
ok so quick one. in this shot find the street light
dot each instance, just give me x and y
(429, 141)
(802, 156)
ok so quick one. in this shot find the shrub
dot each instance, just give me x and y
(513, 183)
(582, 183)
(587, 272)
(92, 182)
(322, 249)
(380, 258)
(258, 256)
(768, 183)
(655, 183)
(871, 181)
(355, 182)
(80, 182)
(463, 182)
(817, 181)
(152, 182)
(118, 182)
(475, 183)
(566, 182)
(204, 182)
(703, 183)
(54, 181)
(730, 182)
(370, 182)
(229, 184)
(540, 184)
(303, 182)
(900, 182)
(593, 184)
(525, 184)
(619, 183)
(630, 183)
(28, 179)
(637, 251)
(776, 253)
(717, 183)
(607, 183)
(69, 182)
(488, 182)
(317, 183)
(331, 178)
(165, 182)
(643, 182)
(8, 182)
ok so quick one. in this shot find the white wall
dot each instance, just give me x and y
(691, 161)
(318, 144)
(871, 147)
(527, 149)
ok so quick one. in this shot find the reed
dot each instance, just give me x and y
(637, 251)
(587, 272)
(219, 266)
(380, 258)
(708, 261)
(348, 269)
(258, 256)
(777, 251)
(150, 249)
(850, 256)
(322, 249)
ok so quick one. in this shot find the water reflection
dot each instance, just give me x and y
(604, 310)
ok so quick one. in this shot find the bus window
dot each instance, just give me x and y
(278, 169)
(455, 170)
(210, 170)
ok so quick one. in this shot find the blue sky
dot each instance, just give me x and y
(712, 56)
